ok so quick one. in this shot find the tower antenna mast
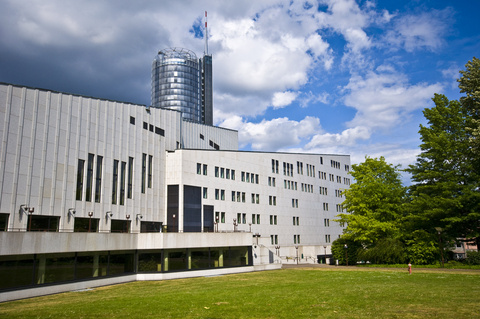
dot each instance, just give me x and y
(206, 35)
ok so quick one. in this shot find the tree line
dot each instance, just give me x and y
(391, 223)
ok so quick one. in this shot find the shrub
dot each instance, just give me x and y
(473, 258)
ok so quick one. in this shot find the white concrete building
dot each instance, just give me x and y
(95, 192)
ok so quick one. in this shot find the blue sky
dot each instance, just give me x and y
(343, 77)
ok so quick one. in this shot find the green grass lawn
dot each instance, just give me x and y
(286, 293)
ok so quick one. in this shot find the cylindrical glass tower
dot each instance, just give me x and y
(176, 82)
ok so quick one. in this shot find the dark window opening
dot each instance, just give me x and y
(80, 172)
(132, 120)
(115, 182)
(145, 125)
(88, 193)
(98, 180)
(86, 225)
(150, 227)
(120, 226)
(130, 178)
(43, 223)
(3, 222)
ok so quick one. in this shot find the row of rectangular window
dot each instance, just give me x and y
(296, 239)
(339, 208)
(335, 164)
(255, 198)
(326, 222)
(338, 193)
(271, 181)
(287, 169)
(323, 190)
(220, 217)
(151, 128)
(274, 166)
(98, 179)
(299, 168)
(307, 188)
(294, 203)
(296, 221)
(289, 184)
(246, 177)
(327, 238)
(223, 172)
(239, 196)
(311, 170)
(87, 187)
(272, 200)
(273, 219)
(202, 169)
(274, 239)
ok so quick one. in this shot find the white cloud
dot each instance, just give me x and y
(308, 98)
(282, 99)
(262, 57)
(384, 99)
(421, 31)
(273, 134)
(347, 138)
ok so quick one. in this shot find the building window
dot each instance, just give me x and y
(150, 170)
(88, 193)
(159, 131)
(233, 174)
(222, 194)
(115, 182)
(202, 137)
(80, 172)
(199, 168)
(216, 171)
(132, 120)
(244, 218)
(205, 169)
(227, 173)
(130, 177)
(222, 172)
(222, 217)
(217, 194)
(144, 171)
(326, 222)
(98, 179)
(122, 183)
(145, 125)
(205, 192)
(243, 197)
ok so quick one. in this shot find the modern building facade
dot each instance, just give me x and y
(96, 192)
(182, 82)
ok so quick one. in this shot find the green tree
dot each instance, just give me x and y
(445, 193)
(341, 252)
(373, 202)
(469, 83)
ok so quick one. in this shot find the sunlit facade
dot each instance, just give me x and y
(96, 192)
